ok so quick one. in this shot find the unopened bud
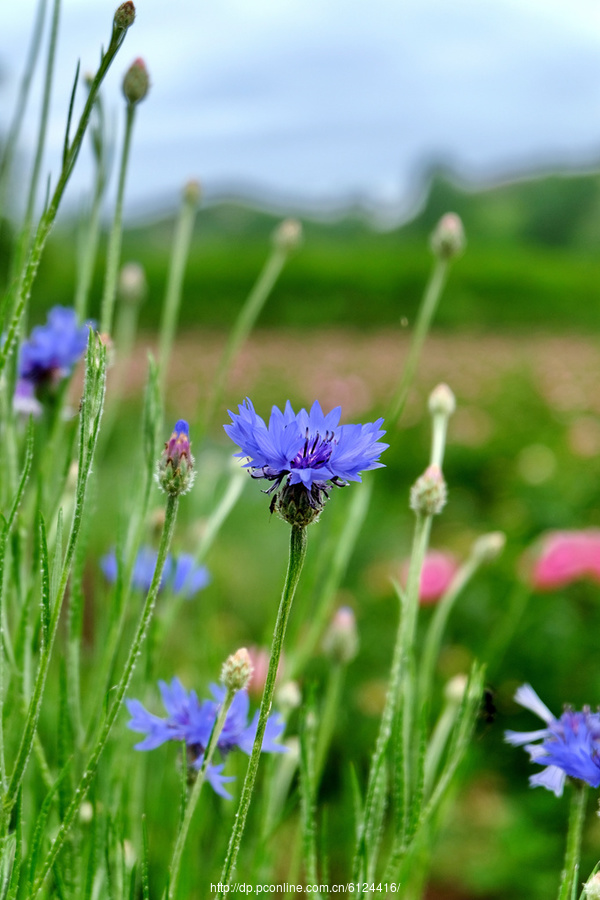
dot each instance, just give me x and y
(132, 283)
(454, 689)
(175, 473)
(237, 670)
(124, 16)
(136, 82)
(448, 238)
(192, 192)
(288, 235)
(429, 493)
(592, 888)
(341, 638)
(442, 401)
(489, 546)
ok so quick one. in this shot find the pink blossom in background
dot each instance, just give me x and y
(564, 557)
(438, 571)
(259, 657)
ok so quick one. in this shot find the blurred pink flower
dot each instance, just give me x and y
(259, 657)
(438, 571)
(565, 556)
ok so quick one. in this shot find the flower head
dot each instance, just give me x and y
(569, 745)
(304, 454)
(192, 721)
(50, 353)
(181, 574)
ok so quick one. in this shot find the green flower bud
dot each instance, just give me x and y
(124, 16)
(175, 473)
(429, 493)
(448, 238)
(136, 82)
(237, 670)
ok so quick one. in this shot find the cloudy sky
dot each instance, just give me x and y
(311, 102)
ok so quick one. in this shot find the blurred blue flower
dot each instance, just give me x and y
(53, 349)
(191, 721)
(181, 575)
(308, 449)
(569, 745)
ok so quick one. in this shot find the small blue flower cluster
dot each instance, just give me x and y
(49, 355)
(181, 574)
(570, 746)
(192, 721)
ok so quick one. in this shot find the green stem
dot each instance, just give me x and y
(327, 719)
(432, 294)
(244, 324)
(193, 800)
(91, 239)
(113, 255)
(298, 540)
(336, 569)
(15, 127)
(179, 257)
(119, 694)
(435, 632)
(400, 664)
(93, 403)
(576, 819)
(47, 220)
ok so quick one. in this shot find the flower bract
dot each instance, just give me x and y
(192, 721)
(569, 745)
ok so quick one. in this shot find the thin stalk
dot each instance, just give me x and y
(502, 634)
(244, 324)
(435, 632)
(298, 541)
(179, 257)
(433, 292)
(15, 127)
(90, 242)
(400, 663)
(113, 255)
(336, 569)
(41, 140)
(93, 403)
(46, 222)
(573, 852)
(193, 800)
(327, 719)
(119, 694)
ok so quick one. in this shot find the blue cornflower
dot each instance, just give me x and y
(53, 349)
(182, 575)
(191, 721)
(303, 453)
(569, 745)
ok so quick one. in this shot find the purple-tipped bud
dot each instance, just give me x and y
(237, 670)
(124, 16)
(176, 473)
(429, 493)
(341, 638)
(136, 82)
(448, 238)
(288, 235)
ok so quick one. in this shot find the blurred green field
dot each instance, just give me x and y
(532, 262)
